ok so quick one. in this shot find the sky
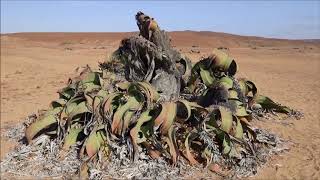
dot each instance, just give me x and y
(276, 19)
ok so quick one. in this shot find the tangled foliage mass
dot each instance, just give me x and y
(149, 100)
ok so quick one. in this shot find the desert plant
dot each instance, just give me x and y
(102, 107)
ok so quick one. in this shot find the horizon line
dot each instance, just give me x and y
(197, 31)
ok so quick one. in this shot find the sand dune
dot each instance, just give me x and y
(179, 38)
(35, 65)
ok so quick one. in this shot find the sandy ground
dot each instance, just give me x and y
(34, 66)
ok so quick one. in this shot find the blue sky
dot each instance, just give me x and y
(279, 19)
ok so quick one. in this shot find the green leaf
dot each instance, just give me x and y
(243, 86)
(111, 102)
(226, 82)
(252, 88)
(232, 94)
(66, 93)
(240, 109)
(39, 125)
(127, 119)
(184, 108)
(247, 86)
(144, 89)
(235, 102)
(168, 118)
(204, 64)
(91, 77)
(226, 144)
(239, 130)
(136, 134)
(94, 142)
(58, 103)
(89, 87)
(118, 123)
(72, 103)
(53, 111)
(226, 119)
(69, 107)
(79, 109)
(268, 104)
(123, 85)
(223, 62)
(206, 77)
(102, 93)
(71, 137)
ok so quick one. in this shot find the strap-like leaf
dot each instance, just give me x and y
(136, 134)
(123, 85)
(204, 64)
(66, 93)
(146, 88)
(245, 121)
(79, 109)
(70, 105)
(39, 125)
(267, 103)
(127, 119)
(185, 107)
(247, 86)
(226, 119)
(223, 62)
(53, 111)
(91, 77)
(186, 63)
(89, 87)
(240, 109)
(169, 117)
(118, 123)
(94, 142)
(252, 88)
(102, 93)
(190, 137)
(172, 143)
(226, 144)
(165, 111)
(235, 102)
(58, 103)
(226, 82)
(97, 100)
(207, 77)
(89, 100)
(239, 130)
(71, 137)
(109, 103)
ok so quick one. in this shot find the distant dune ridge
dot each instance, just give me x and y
(179, 38)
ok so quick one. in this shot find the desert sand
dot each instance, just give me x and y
(35, 65)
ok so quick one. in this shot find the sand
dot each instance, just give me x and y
(35, 65)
